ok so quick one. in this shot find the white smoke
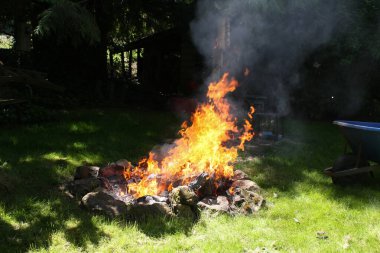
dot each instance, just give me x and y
(270, 37)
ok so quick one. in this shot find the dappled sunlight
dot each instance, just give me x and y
(78, 145)
(34, 222)
(74, 159)
(26, 159)
(56, 159)
(78, 159)
(54, 156)
(272, 171)
(36, 159)
(83, 128)
(4, 165)
(315, 178)
(73, 232)
(7, 217)
(38, 217)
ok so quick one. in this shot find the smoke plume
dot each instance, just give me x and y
(270, 37)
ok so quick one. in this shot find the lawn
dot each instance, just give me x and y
(35, 216)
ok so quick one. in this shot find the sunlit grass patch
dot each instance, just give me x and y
(83, 127)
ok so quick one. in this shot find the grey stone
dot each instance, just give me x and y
(83, 172)
(183, 195)
(219, 204)
(199, 181)
(237, 200)
(252, 202)
(103, 203)
(81, 187)
(145, 200)
(164, 194)
(140, 211)
(160, 199)
(245, 185)
(111, 170)
(240, 175)
(127, 165)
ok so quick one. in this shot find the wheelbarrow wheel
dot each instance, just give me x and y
(346, 162)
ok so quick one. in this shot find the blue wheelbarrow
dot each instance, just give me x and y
(364, 140)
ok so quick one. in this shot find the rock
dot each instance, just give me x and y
(81, 187)
(164, 194)
(160, 199)
(145, 200)
(237, 200)
(221, 186)
(208, 189)
(114, 183)
(111, 170)
(183, 195)
(142, 210)
(252, 201)
(219, 204)
(199, 182)
(127, 165)
(245, 185)
(240, 175)
(103, 203)
(122, 196)
(82, 172)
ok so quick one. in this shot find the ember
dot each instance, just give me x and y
(197, 171)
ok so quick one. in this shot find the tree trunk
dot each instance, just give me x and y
(102, 22)
(22, 35)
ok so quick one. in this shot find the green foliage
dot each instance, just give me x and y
(69, 22)
(6, 41)
(359, 34)
(137, 19)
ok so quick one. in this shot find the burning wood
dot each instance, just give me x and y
(196, 171)
(201, 148)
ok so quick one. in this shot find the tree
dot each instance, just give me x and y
(69, 22)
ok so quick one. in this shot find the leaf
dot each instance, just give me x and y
(69, 22)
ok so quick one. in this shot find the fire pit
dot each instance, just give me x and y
(192, 173)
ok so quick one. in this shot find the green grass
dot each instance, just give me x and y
(35, 216)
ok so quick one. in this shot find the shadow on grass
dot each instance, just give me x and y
(35, 160)
(36, 219)
(160, 227)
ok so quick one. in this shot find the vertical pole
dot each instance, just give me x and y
(138, 63)
(123, 64)
(130, 64)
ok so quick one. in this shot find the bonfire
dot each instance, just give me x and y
(195, 171)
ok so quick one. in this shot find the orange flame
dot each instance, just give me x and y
(201, 147)
(248, 130)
